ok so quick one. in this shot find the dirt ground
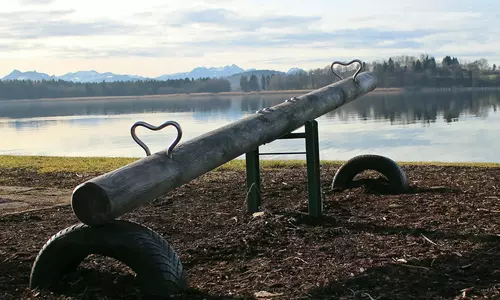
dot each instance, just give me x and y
(15, 199)
(439, 241)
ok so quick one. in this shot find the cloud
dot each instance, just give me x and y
(56, 23)
(119, 52)
(8, 47)
(233, 30)
(349, 38)
(36, 2)
(294, 61)
(37, 30)
(231, 19)
(18, 46)
(277, 34)
(21, 16)
(403, 44)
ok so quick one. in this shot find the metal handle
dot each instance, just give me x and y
(156, 128)
(347, 64)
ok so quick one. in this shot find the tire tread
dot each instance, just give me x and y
(384, 165)
(156, 264)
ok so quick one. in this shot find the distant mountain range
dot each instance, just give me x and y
(94, 76)
(204, 72)
(80, 76)
(30, 75)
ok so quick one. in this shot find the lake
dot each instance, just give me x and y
(433, 126)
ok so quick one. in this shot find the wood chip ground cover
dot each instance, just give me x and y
(439, 241)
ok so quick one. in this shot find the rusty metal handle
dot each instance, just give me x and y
(156, 128)
(347, 64)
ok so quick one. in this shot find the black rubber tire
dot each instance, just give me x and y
(158, 270)
(398, 182)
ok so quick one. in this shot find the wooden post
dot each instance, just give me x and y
(103, 198)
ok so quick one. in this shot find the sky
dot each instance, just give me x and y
(156, 37)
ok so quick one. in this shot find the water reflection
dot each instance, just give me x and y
(405, 126)
(410, 108)
(50, 108)
(21, 125)
(398, 108)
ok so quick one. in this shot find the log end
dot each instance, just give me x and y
(91, 204)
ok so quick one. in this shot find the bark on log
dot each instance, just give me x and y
(110, 195)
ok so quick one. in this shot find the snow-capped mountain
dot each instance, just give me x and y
(203, 72)
(80, 76)
(294, 71)
(94, 76)
(30, 75)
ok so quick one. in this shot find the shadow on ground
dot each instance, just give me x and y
(447, 276)
(380, 186)
(95, 284)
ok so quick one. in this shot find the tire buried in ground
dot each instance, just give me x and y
(158, 270)
(398, 182)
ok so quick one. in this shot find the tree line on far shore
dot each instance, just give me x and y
(399, 72)
(27, 89)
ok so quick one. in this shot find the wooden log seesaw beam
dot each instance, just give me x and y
(108, 196)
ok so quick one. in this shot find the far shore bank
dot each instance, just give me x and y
(285, 93)
(199, 95)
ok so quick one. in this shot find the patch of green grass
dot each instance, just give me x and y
(47, 164)
(239, 164)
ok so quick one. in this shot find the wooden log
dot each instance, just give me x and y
(110, 195)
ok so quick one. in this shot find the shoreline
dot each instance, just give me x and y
(196, 95)
(254, 93)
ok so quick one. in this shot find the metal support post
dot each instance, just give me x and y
(315, 205)
(253, 181)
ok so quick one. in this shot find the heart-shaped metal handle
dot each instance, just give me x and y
(347, 64)
(156, 128)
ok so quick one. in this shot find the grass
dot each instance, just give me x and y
(47, 164)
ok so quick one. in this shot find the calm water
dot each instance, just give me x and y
(408, 127)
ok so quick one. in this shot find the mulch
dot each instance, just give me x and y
(438, 241)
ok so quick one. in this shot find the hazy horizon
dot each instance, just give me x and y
(285, 69)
